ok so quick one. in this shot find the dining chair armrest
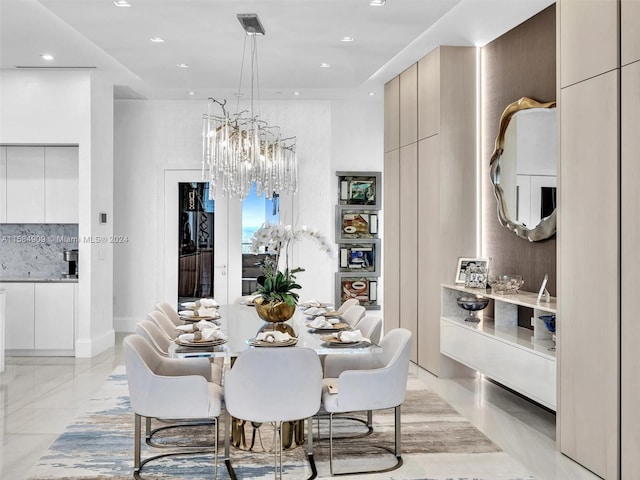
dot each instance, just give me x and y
(173, 367)
(177, 397)
(334, 365)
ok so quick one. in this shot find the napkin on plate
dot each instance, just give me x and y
(350, 337)
(187, 313)
(315, 311)
(186, 328)
(250, 299)
(274, 336)
(209, 334)
(207, 312)
(189, 304)
(203, 324)
(320, 322)
(208, 303)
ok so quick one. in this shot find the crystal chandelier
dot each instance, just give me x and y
(240, 149)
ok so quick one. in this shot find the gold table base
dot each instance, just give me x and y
(293, 434)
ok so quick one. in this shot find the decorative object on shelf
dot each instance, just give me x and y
(550, 323)
(356, 224)
(544, 291)
(472, 272)
(359, 188)
(355, 257)
(240, 149)
(505, 283)
(363, 289)
(473, 305)
(276, 287)
(524, 169)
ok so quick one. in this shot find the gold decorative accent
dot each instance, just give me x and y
(547, 226)
(274, 312)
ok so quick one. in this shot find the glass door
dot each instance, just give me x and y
(202, 241)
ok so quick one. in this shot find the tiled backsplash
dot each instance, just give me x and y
(35, 250)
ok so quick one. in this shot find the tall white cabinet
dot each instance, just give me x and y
(429, 183)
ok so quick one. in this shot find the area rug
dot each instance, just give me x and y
(437, 444)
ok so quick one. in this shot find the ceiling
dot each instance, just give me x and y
(206, 35)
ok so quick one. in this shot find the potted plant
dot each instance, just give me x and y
(277, 301)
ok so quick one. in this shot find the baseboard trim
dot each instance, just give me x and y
(90, 347)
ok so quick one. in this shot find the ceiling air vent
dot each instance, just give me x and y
(251, 23)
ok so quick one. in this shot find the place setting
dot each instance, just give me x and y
(203, 309)
(273, 338)
(206, 336)
(346, 339)
(327, 324)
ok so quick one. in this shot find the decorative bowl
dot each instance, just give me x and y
(505, 283)
(472, 305)
(274, 312)
(549, 322)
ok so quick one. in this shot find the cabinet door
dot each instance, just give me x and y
(25, 184)
(3, 184)
(391, 244)
(392, 115)
(61, 184)
(409, 105)
(19, 316)
(409, 243)
(630, 33)
(429, 95)
(54, 316)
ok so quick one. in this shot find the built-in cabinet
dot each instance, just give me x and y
(520, 358)
(598, 341)
(40, 318)
(39, 184)
(429, 180)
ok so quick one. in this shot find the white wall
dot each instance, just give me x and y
(73, 107)
(152, 136)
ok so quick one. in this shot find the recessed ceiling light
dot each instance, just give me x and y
(346, 39)
(324, 65)
(377, 3)
(296, 93)
(121, 3)
(371, 94)
(47, 57)
(191, 93)
(157, 39)
(182, 65)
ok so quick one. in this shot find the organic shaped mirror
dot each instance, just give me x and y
(524, 169)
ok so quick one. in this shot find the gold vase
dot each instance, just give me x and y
(274, 312)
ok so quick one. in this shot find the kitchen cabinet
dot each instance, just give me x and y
(40, 318)
(40, 184)
(19, 316)
(25, 185)
(61, 185)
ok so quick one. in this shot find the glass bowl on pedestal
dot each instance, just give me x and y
(473, 305)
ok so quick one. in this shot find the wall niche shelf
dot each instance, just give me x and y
(357, 212)
(520, 358)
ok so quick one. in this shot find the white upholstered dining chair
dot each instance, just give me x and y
(354, 314)
(166, 325)
(347, 305)
(159, 341)
(371, 328)
(170, 312)
(274, 385)
(369, 382)
(161, 388)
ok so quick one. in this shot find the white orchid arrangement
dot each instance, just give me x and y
(276, 239)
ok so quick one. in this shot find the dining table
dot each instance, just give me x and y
(241, 324)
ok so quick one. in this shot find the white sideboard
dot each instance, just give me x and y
(521, 359)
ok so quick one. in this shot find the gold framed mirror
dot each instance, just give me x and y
(523, 169)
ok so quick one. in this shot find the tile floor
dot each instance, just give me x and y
(39, 396)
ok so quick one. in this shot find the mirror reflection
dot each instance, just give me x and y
(524, 169)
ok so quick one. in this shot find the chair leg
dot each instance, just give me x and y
(137, 439)
(215, 450)
(331, 444)
(398, 433)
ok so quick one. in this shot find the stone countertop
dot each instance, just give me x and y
(37, 280)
